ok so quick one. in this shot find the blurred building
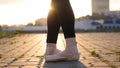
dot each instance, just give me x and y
(100, 6)
(84, 24)
(104, 25)
(25, 29)
(114, 14)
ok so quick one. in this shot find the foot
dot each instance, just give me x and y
(51, 49)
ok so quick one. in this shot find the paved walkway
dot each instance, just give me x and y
(98, 50)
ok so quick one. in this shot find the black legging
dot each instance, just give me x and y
(62, 15)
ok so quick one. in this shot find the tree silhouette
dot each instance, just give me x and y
(41, 22)
(0, 28)
(30, 24)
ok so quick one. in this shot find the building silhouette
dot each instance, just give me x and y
(100, 6)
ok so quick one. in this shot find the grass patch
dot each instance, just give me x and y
(24, 42)
(0, 56)
(118, 59)
(112, 66)
(8, 35)
(118, 53)
(93, 53)
(2, 43)
(42, 56)
(16, 58)
(13, 42)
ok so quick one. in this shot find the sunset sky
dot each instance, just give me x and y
(24, 11)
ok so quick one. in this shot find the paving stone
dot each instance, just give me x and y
(6, 60)
(92, 63)
(3, 64)
(29, 67)
(115, 63)
(24, 63)
(100, 64)
(111, 58)
(12, 67)
(34, 60)
(99, 67)
(118, 66)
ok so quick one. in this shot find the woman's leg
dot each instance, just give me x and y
(67, 25)
(52, 34)
(53, 30)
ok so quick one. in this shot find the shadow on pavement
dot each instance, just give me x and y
(71, 64)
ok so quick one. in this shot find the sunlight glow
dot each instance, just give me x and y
(24, 11)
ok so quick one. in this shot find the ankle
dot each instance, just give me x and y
(51, 45)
